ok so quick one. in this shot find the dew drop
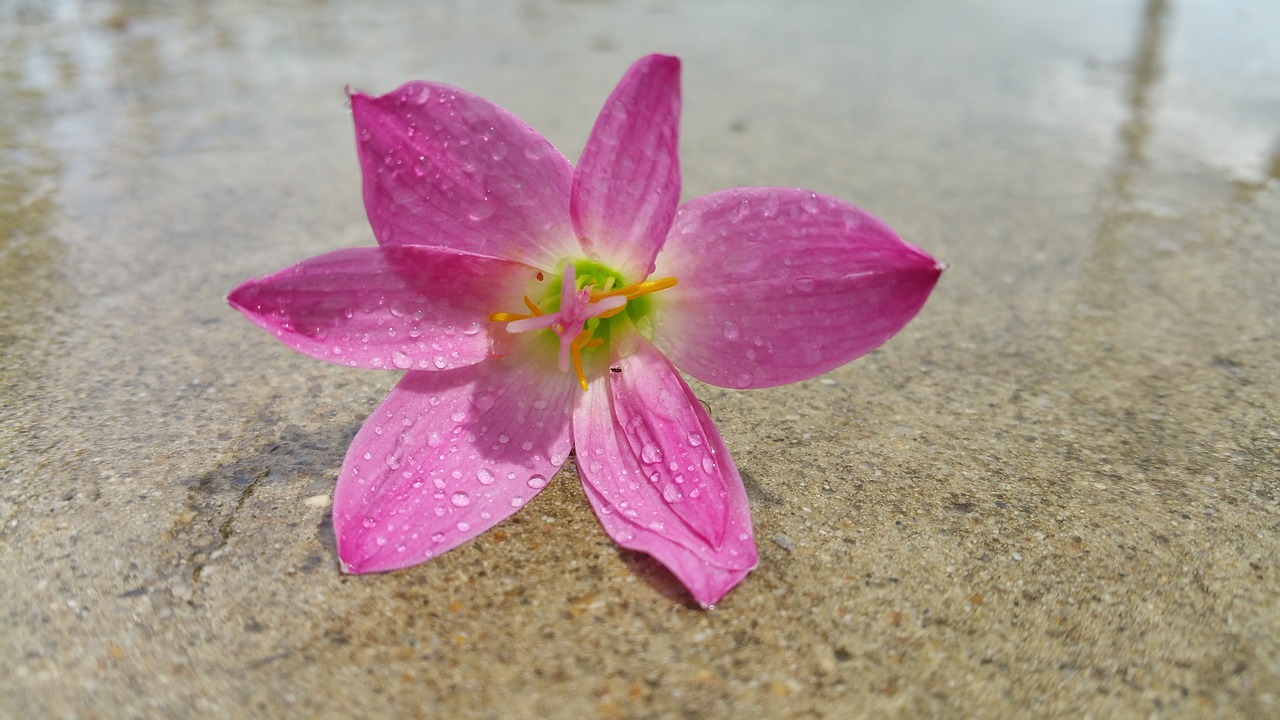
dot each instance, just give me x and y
(485, 476)
(731, 330)
(401, 360)
(695, 439)
(672, 494)
(437, 538)
(537, 482)
(480, 211)
(805, 284)
(369, 522)
(708, 464)
(651, 454)
(463, 527)
(517, 501)
(460, 499)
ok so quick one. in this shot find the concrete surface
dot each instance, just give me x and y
(1055, 494)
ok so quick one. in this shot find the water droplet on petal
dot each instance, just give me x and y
(481, 210)
(672, 494)
(695, 439)
(651, 454)
(537, 482)
(369, 522)
(805, 284)
(460, 499)
(485, 476)
(517, 501)
(731, 330)
(401, 360)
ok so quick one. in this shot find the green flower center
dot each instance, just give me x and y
(586, 315)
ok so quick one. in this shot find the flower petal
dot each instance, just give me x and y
(627, 184)
(633, 509)
(777, 285)
(654, 411)
(446, 168)
(390, 307)
(449, 455)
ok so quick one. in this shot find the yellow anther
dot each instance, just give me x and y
(631, 292)
(534, 310)
(583, 340)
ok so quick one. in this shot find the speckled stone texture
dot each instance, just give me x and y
(1054, 494)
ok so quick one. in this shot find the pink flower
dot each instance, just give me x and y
(540, 308)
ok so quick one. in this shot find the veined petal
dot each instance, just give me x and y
(654, 413)
(406, 307)
(627, 183)
(632, 508)
(444, 167)
(778, 285)
(449, 455)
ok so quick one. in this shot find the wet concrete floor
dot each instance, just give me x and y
(1054, 494)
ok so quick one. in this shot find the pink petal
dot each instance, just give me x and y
(446, 168)
(390, 307)
(777, 285)
(627, 184)
(449, 455)
(654, 411)
(633, 509)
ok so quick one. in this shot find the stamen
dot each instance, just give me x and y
(509, 317)
(584, 340)
(579, 314)
(631, 292)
